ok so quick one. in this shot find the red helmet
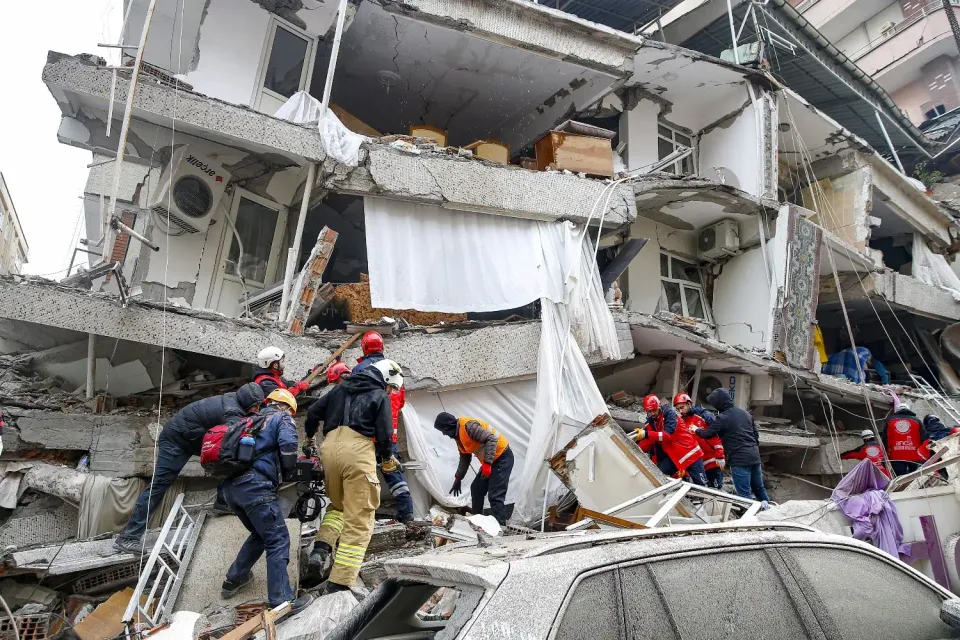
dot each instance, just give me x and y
(651, 404)
(371, 342)
(336, 371)
(680, 398)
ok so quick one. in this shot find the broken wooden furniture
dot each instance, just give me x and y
(490, 149)
(439, 136)
(578, 148)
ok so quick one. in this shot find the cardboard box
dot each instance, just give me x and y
(492, 150)
(574, 152)
(426, 131)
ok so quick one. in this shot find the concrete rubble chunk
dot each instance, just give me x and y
(17, 594)
(71, 557)
(387, 536)
(318, 620)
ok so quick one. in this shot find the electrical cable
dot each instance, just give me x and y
(16, 627)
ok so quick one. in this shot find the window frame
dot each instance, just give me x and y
(698, 286)
(310, 56)
(677, 167)
(273, 259)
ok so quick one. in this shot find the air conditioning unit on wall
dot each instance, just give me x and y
(738, 384)
(189, 190)
(719, 240)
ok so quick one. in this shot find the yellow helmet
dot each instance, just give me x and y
(284, 396)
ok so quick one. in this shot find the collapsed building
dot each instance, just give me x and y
(487, 158)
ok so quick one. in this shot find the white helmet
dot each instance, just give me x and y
(268, 356)
(866, 433)
(391, 372)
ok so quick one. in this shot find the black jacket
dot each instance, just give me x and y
(188, 426)
(737, 431)
(370, 414)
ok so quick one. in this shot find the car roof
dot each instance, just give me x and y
(487, 565)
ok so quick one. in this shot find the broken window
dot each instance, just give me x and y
(681, 289)
(670, 140)
(256, 225)
(286, 65)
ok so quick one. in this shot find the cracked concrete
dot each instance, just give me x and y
(465, 183)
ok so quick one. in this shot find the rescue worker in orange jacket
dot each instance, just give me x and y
(474, 437)
(869, 450)
(713, 460)
(903, 436)
(666, 428)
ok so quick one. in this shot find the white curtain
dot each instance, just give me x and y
(933, 269)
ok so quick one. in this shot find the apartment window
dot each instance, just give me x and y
(285, 67)
(18, 260)
(681, 290)
(668, 141)
(938, 110)
(257, 227)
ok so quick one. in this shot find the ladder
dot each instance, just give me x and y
(929, 393)
(168, 561)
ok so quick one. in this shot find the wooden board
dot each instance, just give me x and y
(104, 621)
(492, 150)
(432, 133)
(354, 123)
(575, 153)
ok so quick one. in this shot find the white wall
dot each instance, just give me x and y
(891, 13)
(643, 274)
(741, 301)
(854, 41)
(737, 148)
(638, 128)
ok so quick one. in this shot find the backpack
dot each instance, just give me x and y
(220, 447)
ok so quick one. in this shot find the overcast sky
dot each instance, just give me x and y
(45, 177)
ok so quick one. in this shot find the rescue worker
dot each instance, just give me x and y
(936, 431)
(474, 437)
(741, 443)
(372, 346)
(903, 436)
(713, 460)
(180, 439)
(336, 372)
(356, 430)
(682, 453)
(869, 450)
(269, 373)
(253, 497)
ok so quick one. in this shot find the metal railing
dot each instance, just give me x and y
(929, 8)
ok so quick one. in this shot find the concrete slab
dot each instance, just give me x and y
(215, 551)
(82, 555)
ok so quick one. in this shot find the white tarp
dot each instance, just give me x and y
(933, 269)
(339, 143)
(508, 407)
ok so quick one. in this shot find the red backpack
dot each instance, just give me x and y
(220, 454)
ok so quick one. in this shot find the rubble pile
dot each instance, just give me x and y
(355, 298)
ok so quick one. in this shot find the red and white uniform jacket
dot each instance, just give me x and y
(669, 431)
(712, 448)
(905, 436)
(867, 451)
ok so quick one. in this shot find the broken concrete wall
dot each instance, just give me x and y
(842, 199)
(643, 282)
(638, 128)
(909, 202)
(732, 151)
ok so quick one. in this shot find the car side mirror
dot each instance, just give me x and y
(950, 613)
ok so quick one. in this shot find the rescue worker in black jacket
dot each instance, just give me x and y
(357, 435)
(741, 445)
(180, 439)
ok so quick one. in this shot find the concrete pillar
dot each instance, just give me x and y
(91, 365)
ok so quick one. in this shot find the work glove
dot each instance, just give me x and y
(455, 489)
(722, 464)
(693, 430)
(638, 434)
(390, 465)
(485, 470)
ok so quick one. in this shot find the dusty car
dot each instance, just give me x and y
(743, 582)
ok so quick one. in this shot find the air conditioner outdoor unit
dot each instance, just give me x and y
(191, 186)
(718, 240)
(887, 27)
(766, 390)
(738, 384)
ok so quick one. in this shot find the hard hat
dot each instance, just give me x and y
(903, 406)
(680, 398)
(268, 356)
(390, 370)
(371, 342)
(336, 371)
(866, 433)
(651, 404)
(285, 397)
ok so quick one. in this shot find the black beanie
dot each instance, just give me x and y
(446, 423)
(249, 395)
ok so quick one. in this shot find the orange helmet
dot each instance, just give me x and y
(336, 371)
(680, 398)
(651, 404)
(371, 342)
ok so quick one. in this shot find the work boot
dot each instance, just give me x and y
(129, 545)
(301, 603)
(333, 587)
(221, 509)
(319, 565)
(406, 518)
(229, 589)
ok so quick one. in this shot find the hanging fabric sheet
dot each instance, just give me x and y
(933, 269)
(339, 143)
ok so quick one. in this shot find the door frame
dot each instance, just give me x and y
(310, 56)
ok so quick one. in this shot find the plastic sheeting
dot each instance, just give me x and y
(933, 269)
(508, 407)
(339, 143)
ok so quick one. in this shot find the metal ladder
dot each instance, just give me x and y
(170, 558)
(929, 393)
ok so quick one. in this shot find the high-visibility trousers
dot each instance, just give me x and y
(350, 475)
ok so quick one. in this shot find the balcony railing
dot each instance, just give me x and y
(931, 7)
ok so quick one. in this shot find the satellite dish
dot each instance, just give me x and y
(707, 386)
